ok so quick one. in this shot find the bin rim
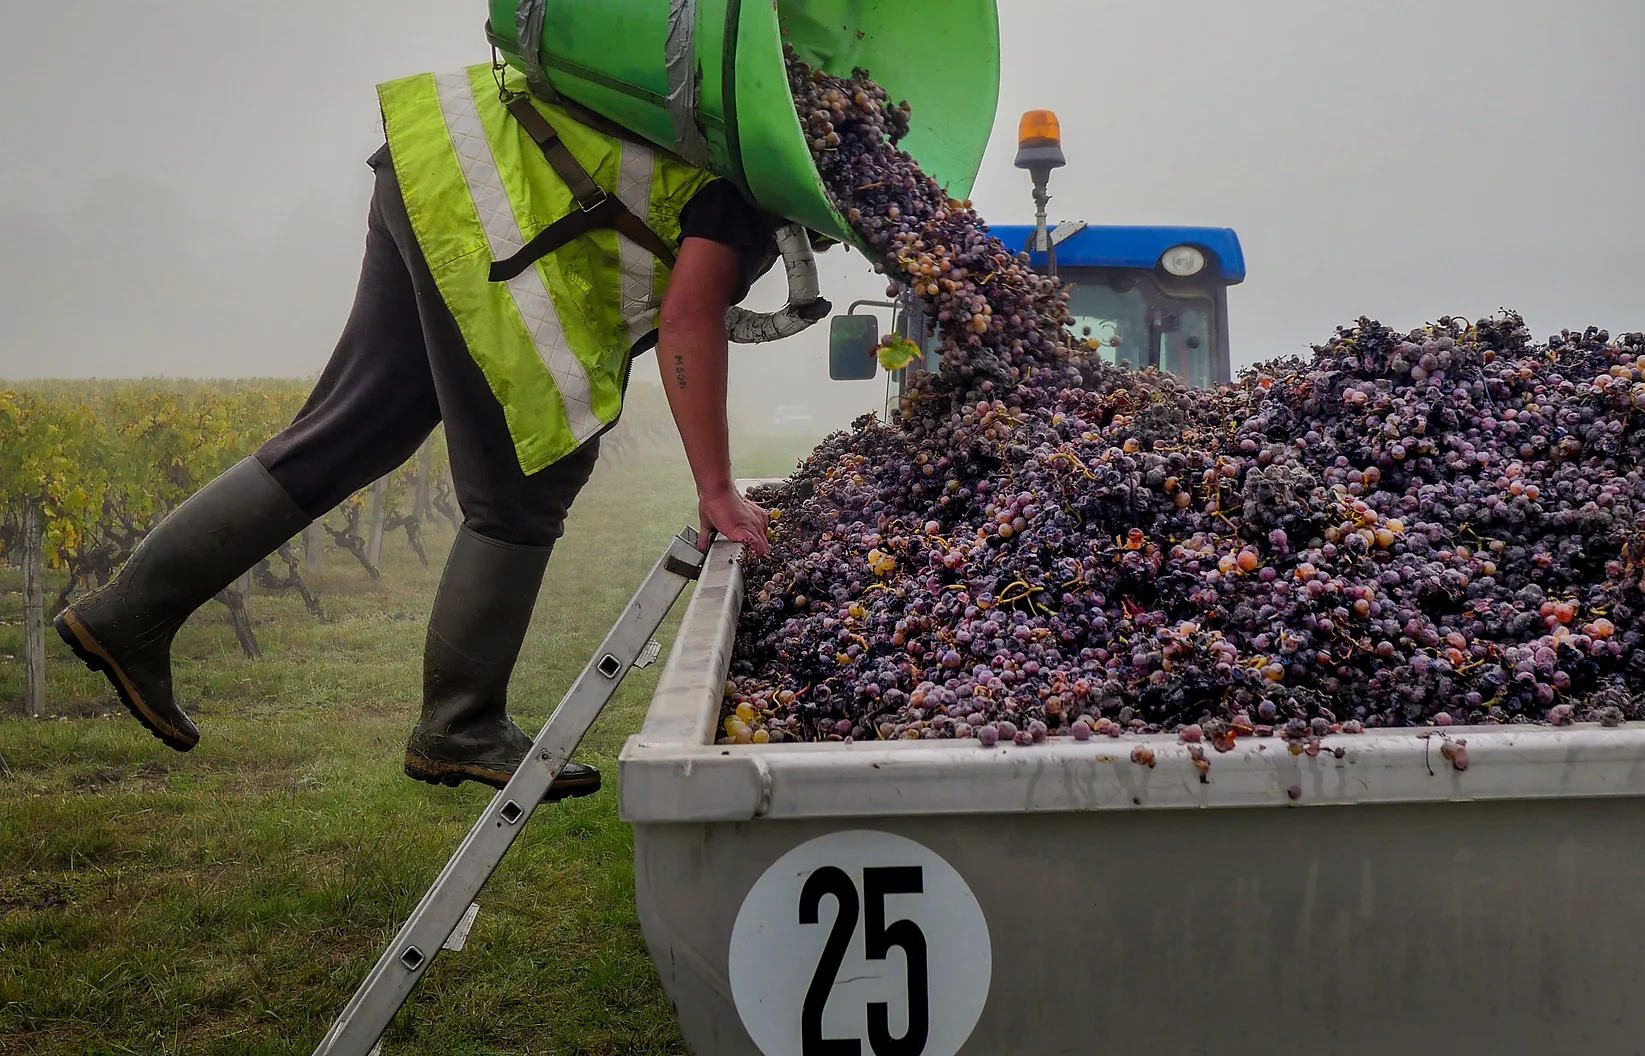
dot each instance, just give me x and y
(685, 783)
(672, 772)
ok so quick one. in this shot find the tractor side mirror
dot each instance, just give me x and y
(852, 341)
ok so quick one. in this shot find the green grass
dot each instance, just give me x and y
(230, 900)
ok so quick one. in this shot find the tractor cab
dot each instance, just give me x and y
(1141, 297)
(1146, 296)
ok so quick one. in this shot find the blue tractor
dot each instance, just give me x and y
(1141, 296)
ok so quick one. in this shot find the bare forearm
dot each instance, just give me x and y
(692, 355)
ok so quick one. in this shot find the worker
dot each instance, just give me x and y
(517, 258)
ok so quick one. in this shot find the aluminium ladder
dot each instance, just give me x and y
(446, 913)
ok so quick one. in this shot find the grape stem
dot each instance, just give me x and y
(1075, 459)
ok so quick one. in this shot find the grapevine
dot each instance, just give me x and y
(105, 461)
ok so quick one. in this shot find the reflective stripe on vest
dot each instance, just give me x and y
(530, 290)
(640, 299)
(553, 341)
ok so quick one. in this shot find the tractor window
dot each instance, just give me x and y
(1137, 319)
(1113, 320)
(1186, 350)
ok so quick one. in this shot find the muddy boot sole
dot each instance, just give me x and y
(440, 772)
(86, 648)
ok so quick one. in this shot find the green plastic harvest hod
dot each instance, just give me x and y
(942, 56)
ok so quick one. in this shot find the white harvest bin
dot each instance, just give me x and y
(1061, 898)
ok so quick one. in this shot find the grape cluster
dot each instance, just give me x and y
(998, 320)
(1439, 527)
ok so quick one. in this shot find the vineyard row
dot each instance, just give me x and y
(88, 469)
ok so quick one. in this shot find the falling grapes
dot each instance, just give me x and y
(1439, 527)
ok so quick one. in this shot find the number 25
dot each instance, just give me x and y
(878, 940)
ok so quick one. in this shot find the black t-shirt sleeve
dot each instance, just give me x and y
(719, 213)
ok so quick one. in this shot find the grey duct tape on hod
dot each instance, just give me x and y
(805, 306)
(528, 25)
(680, 54)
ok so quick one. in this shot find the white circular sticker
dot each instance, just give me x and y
(860, 944)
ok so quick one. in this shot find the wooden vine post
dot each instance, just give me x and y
(314, 545)
(34, 621)
(376, 518)
(423, 508)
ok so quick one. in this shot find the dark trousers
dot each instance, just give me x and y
(400, 368)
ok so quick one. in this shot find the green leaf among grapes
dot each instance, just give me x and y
(898, 354)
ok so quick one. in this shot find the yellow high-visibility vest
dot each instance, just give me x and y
(554, 341)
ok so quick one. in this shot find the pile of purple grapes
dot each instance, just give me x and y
(1445, 526)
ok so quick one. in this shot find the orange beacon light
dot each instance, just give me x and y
(1039, 141)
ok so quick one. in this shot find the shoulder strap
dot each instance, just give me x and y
(583, 187)
(596, 209)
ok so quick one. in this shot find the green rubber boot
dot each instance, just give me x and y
(487, 594)
(124, 629)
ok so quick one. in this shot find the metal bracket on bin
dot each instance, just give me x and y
(692, 567)
(649, 655)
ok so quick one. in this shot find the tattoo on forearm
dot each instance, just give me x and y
(679, 371)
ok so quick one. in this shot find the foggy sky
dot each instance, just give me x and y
(183, 187)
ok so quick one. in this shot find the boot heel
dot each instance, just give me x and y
(420, 770)
(81, 653)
